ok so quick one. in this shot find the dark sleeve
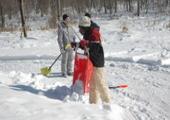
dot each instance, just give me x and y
(96, 55)
(94, 25)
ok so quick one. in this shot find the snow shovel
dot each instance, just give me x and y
(120, 86)
(46, 70)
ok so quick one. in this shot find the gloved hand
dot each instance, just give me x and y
(73, 44)
(68, 45)
(62, 50)
(84, 43)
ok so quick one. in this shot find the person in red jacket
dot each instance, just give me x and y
(93, 24)
(91, 40)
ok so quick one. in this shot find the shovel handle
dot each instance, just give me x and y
(120, 86)
(54, 61)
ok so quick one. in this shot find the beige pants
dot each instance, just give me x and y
(98, 87)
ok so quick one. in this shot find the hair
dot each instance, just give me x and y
(84, 21)
(65, 16)
(88, 15)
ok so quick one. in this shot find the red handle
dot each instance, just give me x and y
(120, 86)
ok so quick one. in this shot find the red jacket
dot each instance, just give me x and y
(92, 35)
(95, 35)
(96, 50)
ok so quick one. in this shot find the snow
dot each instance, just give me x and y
(138, 57)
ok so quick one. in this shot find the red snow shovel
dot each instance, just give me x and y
(83, 69)
(120, 86)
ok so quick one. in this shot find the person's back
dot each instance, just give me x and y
(67, 34)
(62, 34)
(94, 25)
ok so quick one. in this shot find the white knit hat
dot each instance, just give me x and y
(85, 22)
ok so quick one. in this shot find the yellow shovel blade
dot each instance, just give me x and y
(45, 71)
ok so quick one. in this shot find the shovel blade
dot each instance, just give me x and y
(45, 71)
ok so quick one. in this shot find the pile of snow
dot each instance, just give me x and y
(29, 96)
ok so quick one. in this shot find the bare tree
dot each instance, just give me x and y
(115, 5)
(130, 5)
(93, 5)
(53, 9)
(22, 17)
(146, 6)
(138, 7)
(2, 16)
(110, 5)
(105, 6)
(59, 9)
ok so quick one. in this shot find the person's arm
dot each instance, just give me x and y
(95, 36)
(74, 34)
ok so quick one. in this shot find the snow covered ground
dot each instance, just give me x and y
(139, 57)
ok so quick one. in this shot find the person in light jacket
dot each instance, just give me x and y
(65, 37)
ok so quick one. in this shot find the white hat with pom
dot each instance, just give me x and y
(84, 21)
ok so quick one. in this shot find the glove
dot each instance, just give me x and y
(62, 50)
(68, 46)
(73, 44)
(84, 43)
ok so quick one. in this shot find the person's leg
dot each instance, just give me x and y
(70, 62)
(64, 63)
(93, 95)
(102, 86)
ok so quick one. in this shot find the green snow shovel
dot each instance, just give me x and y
(46, 70)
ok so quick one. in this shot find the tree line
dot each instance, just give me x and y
(53, 9)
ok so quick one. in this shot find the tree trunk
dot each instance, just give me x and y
(138, 8)
(167, 3)
(78, 7)
(2, 17)
(58, 9)
(105, 8)
(115, 6)
(126, 5)
(153, 6)
(146, 6)
(93, 6)
(61, 3)
(130, 6)
(110, 7)
(10, 13)
(22, 17)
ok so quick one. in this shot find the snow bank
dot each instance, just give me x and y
(32, 97)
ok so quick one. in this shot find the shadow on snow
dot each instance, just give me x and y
(60, 92)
